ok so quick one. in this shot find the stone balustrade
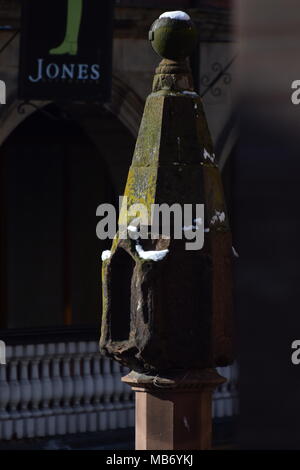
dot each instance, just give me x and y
(64, 388)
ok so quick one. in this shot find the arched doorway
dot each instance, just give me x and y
(53, 179)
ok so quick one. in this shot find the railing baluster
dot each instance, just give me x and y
(79, 386)
(15, 394)
(72, 416)
(108, 383)
(57, 391)
(98, 390)
(47, 391)
(234, 388)
(68, 386)
(25, 387)
(117, 396)
(37, 391)
(51, 420)
(89, 387)
(4, 400)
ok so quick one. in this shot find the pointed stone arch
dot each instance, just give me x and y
(125, 105)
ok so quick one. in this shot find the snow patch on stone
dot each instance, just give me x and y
(190, 93)
(151, 255)
(218, 217)
(235, 253)
(105, 255)
(176, 15)
(132, 228)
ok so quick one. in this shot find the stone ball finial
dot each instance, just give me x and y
(173, 35)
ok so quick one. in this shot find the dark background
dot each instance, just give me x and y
(267, 225)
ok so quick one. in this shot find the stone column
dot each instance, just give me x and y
(166, 308)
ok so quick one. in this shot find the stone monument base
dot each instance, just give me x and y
(174, 412)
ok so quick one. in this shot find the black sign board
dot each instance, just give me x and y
(66, 48)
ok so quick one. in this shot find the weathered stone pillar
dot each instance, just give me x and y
(174, 412)
(166, 309)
